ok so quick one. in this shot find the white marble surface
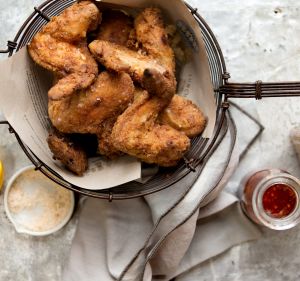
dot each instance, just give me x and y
(260, 40)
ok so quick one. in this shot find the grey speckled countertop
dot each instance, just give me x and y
(260, 41)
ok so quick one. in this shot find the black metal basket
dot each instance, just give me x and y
(200, 147)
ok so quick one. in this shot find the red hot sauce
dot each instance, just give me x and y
(270, 198)
(279, 200)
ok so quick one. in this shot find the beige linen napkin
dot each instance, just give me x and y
(164, 234)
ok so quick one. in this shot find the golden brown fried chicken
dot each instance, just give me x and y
(121, 59)
(184, 116)
(105, 141)
(181, 114)
(115, 27)
(151, 34)
(68, 152)
(85, 111)
(61, 47)
(136, 131)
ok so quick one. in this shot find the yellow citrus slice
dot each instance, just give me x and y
(1, 175)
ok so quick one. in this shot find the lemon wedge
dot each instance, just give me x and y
(1, 175)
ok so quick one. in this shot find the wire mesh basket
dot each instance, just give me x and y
(200, 147)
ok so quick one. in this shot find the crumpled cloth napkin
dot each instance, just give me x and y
(164, 234)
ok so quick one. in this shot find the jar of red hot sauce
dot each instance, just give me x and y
(271, 198)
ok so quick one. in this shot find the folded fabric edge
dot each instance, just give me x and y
(224, 200)
(248, 229)
(232, 128)
(149, 256)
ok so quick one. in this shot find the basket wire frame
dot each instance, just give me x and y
(200, 148)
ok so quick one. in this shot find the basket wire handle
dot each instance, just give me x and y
(11, 45)
(259, 89)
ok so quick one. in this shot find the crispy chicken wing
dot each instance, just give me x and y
(151, 34)
(68, 152)
(183, 115)
(84, 112)
(61, 47)
(122, 59)
(115, 27)
(136, 131)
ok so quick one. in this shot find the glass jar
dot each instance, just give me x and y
(271, 198)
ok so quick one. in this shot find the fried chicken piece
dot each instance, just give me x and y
(115, 27)
(84, 112)
(121, 59)
(151, 34)
(136, 131)
(181, 114)
(184, 116)
(61, 47)
(68, 152)
(105, 141)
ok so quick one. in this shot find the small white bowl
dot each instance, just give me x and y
(43, 180)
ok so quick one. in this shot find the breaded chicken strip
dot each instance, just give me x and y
(68, 152)
(184, 116)
(136, 131)
(151, 34)
(115, 27)
(61, 47)
(85, 111)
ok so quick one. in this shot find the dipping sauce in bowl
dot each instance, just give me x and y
(271, 198)
(35, 204)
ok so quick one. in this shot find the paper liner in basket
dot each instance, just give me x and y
(23, 100)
